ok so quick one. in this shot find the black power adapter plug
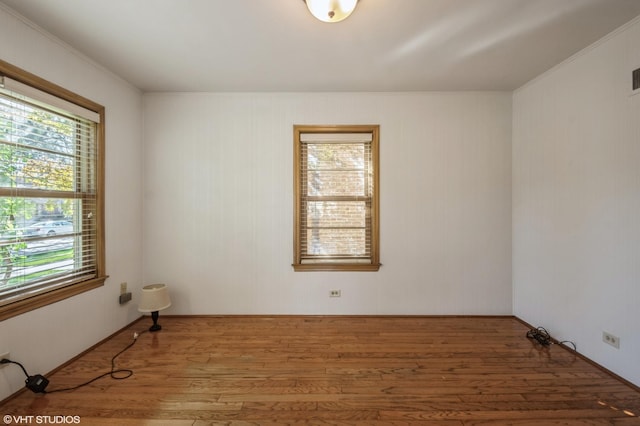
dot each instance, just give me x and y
(37, 383)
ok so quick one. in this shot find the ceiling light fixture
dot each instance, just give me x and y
(331, 10)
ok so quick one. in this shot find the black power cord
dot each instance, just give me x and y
(38, 383)
(35, 383)
(542, 336)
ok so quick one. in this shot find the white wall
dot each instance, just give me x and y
(576, 202)
(218, 203)
(45, 338)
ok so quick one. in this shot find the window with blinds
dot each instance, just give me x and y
(51, 198)
(336, 198)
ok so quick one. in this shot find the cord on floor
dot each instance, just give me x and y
(123, 373)
(542, 336)
(38, 383)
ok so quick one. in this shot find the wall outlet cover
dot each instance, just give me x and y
(610, 339)
(4, 355)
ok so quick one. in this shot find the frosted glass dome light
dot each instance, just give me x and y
(331, 10)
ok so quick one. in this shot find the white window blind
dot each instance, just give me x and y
(48, 192)
(336, 199)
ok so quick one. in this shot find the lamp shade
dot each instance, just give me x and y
(331, 10)
(155, 297)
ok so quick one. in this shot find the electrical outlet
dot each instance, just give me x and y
(610, 339)
(335, 293)
(3, 356)
(123, 288)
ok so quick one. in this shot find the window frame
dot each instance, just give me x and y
(24, 305)
(374, 227)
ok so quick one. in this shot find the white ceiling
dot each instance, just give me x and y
(276, 45)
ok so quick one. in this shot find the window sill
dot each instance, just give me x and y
(354, 267)
(35, 302)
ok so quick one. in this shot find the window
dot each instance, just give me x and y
(51, 193)
(336, 198)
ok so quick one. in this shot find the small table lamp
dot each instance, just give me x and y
(155, 297)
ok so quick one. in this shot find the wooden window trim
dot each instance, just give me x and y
(25, 305)
(374, 264)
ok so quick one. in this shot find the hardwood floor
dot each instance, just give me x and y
(333, 370)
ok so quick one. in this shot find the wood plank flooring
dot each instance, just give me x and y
(334, 370)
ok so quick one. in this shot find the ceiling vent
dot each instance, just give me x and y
(636, 79)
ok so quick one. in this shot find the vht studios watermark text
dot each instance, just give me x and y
(40, 420)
